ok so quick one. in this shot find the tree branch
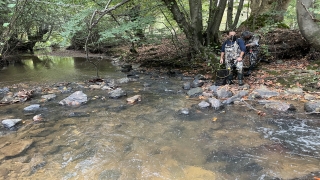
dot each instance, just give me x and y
(310, 14)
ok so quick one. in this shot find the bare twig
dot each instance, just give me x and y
(310, 14)
(94, 22)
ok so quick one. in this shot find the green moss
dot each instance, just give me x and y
(314, 65)
(263, 20)
(273, 72)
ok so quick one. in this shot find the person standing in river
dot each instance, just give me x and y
(232, 52)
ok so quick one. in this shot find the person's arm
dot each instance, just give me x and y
(222, 52)
(242, 48)
(221, 57)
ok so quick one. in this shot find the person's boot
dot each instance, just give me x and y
(240, 78)
(248, 72)
(230, 78)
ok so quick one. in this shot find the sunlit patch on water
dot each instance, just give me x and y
(297, 135)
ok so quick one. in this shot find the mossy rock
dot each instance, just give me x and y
(263, 20)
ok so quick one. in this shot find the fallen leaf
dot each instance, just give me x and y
(214, 119)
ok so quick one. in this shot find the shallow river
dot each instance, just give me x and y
(110, 139)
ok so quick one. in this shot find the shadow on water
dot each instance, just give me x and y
(110, 139)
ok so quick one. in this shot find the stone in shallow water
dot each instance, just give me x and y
(186, 85)
(264, 92)
(32, 107)
(224, 92)
(194, 92)
(117, 93)
(48, 97)
(215, 103)
(8, 123)
(279, 106)
(203, 104)
(312, 106)
(134, 99)
(75, 99)
(184, 111)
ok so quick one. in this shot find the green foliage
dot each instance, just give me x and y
(74, 26)
(290, 16)
(315, 10)
(127, 30)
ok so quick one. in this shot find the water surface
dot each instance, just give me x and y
(110, 139)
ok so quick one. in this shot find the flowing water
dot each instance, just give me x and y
(110, 139)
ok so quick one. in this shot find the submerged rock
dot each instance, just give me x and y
(15, 148)
(75, 99)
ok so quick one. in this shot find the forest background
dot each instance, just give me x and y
(192, 29)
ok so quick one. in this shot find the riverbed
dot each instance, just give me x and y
(151, 139)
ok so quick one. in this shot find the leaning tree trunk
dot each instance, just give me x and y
(307, 23)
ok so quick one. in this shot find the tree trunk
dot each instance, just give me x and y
(229, 14)
(266, 6)
(266, 12)
(307, 23)
(236, 19)
(196, 18)
(216, 10)
(194, 43)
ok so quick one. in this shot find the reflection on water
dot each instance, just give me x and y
(51, 68)
(110, 139)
